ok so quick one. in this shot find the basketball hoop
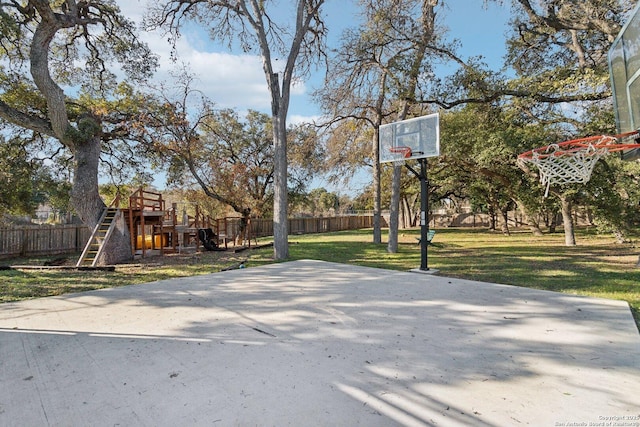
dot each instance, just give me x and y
(573, 161)
(400, 155)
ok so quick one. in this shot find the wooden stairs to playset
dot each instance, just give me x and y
(154, 229)
(100, 235)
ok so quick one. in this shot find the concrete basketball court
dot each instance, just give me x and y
(310, 343)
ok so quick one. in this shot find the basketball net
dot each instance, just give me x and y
(573, 161)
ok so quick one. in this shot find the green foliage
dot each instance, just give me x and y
(364, 201)
(58, 196)
(238, 155)
(109, 193)
(598, 119)
(16, 183)
(20, 93)
(560, 91)
(613, 194)
(231, 157)
(477, 162)
(321, 202)
(26, 182)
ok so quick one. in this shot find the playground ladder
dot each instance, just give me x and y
(100, 235)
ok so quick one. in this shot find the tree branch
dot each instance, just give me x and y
(34, 123)
(539, 97)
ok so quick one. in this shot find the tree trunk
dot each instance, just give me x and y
(118, 248)
(567, 220)
(535, 229)
(532, 221)
(84, 142)
(404, 214)
(377, 222)
(553, 222)
(377, 190)
(280, 97)
(408, 213)
(492, 219)
(243, 228)
(426, 22)
(415, 213)
(280, 197)
(505, 221)
(392, 244)
(84, 193)
(89, 205)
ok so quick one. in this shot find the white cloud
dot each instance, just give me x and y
(227, 79)
(230, 81)
(133, 9)
(295, 119)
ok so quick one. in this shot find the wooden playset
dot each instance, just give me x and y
(156, 229)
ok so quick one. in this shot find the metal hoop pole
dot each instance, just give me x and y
(424, 215)
(424, 212)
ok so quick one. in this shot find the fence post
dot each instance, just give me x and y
(23, 243)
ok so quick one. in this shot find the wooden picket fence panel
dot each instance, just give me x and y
(264, 227)
(329, 224)
(61, 239)
(42, 240)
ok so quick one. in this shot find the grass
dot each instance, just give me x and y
(19, 284)
(597, 267)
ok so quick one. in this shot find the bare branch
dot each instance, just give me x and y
(532, 95)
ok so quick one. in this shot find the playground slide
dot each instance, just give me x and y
(209, 239)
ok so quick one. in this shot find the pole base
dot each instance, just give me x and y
(431, 271)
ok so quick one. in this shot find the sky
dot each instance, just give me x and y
(236, 80)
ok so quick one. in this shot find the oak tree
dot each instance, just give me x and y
(227, 156)
(298, 38)
(373, 79)
(52, 51)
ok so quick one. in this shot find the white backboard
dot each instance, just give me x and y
(624, 69)
(410, 139)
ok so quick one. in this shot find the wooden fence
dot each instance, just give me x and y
(264, 227)
(42, 240)
(60, 239)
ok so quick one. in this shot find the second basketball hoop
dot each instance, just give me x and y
(573, 161)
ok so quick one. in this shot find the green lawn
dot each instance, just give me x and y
(597, 266)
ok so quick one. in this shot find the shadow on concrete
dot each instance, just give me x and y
(316, 343)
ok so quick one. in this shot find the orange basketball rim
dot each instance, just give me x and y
(573, 161)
